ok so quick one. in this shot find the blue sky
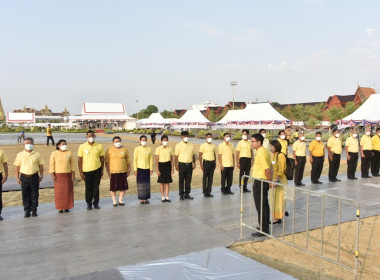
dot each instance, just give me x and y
(177, 53)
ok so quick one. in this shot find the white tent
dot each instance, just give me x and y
(192, 119)
(154, 121)
(367, 114)
(21, 117)
(230, 116)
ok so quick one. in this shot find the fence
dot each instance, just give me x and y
(310, 205)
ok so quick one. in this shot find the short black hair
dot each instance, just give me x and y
(334, 129)
(116, 137)
(225, 133)
(377, 129)
(164, 137)
(185, 133)
(29, 139)
(143, 136)
(277, 145)
(207, 134)
(60, 141)
(261, 130)
(281, 131)
(258, 137)
(245, 130)
(318, 132)
(90, 132)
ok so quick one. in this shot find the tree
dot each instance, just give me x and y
(335, 113)
(151, 109)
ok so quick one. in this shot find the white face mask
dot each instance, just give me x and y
(318, 138)
(337, 135)
(143, 143)
(117, 144)
(282, 137)
(264, 135)
(302, 138)
(354, 135)
(186, 139)
(228, 139)
(165, 143)
(378, 134)
(244, 137)
(29, 147)
(209, 140)
(368, 133)
(91, 139)
(63, 148)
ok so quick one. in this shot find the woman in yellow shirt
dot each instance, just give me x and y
(143, 168)
(118, 168)
(62, 169)
(276, 193)
(164, 167)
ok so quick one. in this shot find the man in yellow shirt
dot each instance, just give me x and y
(244, 158)
(317, 156)
(352, 154)
(366, 152)
(261, 170)
(91, 163)
(266, 144)
(3, 177)
(334, 149)
(49, 135)
(299, 155)
(28, 163)
(207, 162)
(375, 164)
(283, 141)
(185, 164)
(226, 163)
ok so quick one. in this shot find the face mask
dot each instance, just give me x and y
(354, 135)
(337, 135)
(244, 137)
(264, 135)
(209, 140)
(117, 144)
(318, 138)
(368, 133)
(228, 139)
(378, 134)
(29, 147)
(186, 139)
(165, 143)
(302, 138)
(63, 147)
(91, 139)
(282, 137)
(143, 143)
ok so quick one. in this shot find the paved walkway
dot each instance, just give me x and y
(54, 246)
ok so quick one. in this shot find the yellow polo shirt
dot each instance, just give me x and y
(61, 162)
(266, 143)
(284, 145)
(29, 162)
(164, 153)
(317, 149)
(208, 151)
(262, 162)
(244, 147)
(366, 142)
(3, 159)
(279, 166)
(227, 153)
(376, 142)
(118, 159)
(91, 156)
(142, 158)
(185, 152)
(300, 148)
(335, 145)
(49, 131)
(352, 144)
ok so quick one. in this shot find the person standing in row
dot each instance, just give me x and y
(207, 161)
(375, 164)
(317, 156)
(49, 135)
(118, 166)
(299, 155)
(164, 167)
(143, 168)
(266, 144)
(28, 163)
(91, 163)
(352, 152)
(3, 177)
(153, 137)
(226, 163)
(261, 169)
(366, 152)
(62, 169)
(244, 158)
(334, 149)
(283, 142)
(185, 164)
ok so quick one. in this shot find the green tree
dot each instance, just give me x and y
(151, 109)
(335, 113)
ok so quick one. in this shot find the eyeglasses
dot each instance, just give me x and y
(254, 141)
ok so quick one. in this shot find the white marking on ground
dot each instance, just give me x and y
(371, 185)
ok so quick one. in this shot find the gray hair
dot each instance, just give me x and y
(29, 139)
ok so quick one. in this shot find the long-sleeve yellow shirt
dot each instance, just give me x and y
(142, 158)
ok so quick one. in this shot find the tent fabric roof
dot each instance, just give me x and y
(116, 117)
(154, 118)
(368, 111)
(103, 108)
(20, 117)
(193, 116)
(230, 116)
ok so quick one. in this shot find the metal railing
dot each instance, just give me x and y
(290, 194)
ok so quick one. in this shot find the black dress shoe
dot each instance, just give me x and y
(181, 197)
(286, 213)
(27, 214)
(332, 181)
(246, 190)
(210, 195)
(337, 180)
(319, 182)
(89, 207)
(375, 175)
(1, 218)
(229, 192)
(189, 197)
(96, 206)
(121, 204)
(67, 211)
(354, 178)
(258, 234)
(115, 205)
(301, 184)
(34, 213)
(315, 182)
(277, 222)
(60, 211)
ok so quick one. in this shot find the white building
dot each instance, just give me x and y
(204, 106)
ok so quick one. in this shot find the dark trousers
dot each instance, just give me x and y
(208, 175)
(300, 168)
(92, 182)
(351, 165)
(316, 168)
(1, 192)
(47, 140)
(366, 162)
(185, 175)
(30, 192)
(265, 207)
(245, 168)
(226, 180)
(375, 163)
(334, 166)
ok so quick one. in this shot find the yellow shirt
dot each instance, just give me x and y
(335, 145)
(49, 131)
(300, 148)
(366, 142)
(262, 162)
(279, 166)
(244, 147)
(317, 149)
(352, 144)
(29, 162)
(91, 156)
(164, 154)
(3, 159)
(142, 158)
(61, 162)
(284, 146)
(227, 153)
(266, 143)
(118, 159)
(208, 151)
(376, 142)
(185, 152)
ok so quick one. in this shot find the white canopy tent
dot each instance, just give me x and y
(192, 119)
(21, 118)
(230, 116)
(155, 120)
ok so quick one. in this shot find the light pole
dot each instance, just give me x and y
(233, 84)
(137, 105)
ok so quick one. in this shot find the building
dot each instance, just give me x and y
(204, 106)
(236, 104)
(45, 115)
